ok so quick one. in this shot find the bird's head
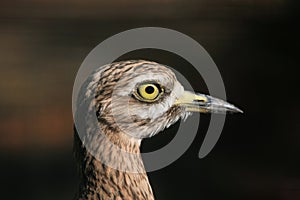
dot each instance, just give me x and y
(141, 98)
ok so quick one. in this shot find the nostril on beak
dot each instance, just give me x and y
(199, 101)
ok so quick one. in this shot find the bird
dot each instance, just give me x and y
(130, 100)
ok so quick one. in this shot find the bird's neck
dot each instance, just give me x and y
(103, 179)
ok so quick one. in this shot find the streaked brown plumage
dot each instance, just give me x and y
(99, 181)
(138, 117)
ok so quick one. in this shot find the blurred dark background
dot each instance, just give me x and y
(255, 44)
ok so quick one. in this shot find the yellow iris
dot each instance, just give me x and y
(148, 92)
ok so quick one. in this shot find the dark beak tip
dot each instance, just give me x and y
(233, 109)
(237, 110)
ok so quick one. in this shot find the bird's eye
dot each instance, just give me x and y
(148, 92)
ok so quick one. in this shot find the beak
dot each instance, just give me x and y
(205, 104)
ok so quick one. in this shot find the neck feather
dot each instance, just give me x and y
(99, 181)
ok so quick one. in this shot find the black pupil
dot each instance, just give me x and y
(149, 89)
